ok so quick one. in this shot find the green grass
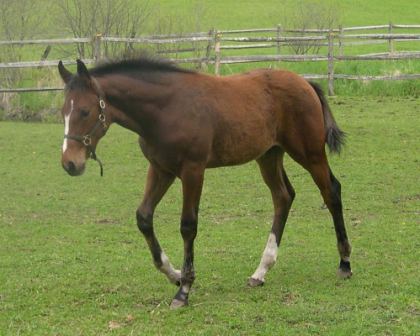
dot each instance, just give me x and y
(229, 15)
(73, 263)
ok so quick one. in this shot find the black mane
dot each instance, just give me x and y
(144, 68)
(135, 67)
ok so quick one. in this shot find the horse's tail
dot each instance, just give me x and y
(334, 136)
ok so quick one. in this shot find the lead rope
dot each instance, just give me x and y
(94, 157)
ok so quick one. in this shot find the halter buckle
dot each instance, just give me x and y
(102, 104)
(87, 140)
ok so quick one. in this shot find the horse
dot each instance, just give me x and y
(189, 121)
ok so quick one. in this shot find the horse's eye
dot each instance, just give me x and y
(84, 113)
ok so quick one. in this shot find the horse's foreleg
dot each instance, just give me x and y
(192, 176)
(282, 192)
(157, 184)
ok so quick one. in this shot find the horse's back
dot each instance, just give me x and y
(262, 109)
(244, 122)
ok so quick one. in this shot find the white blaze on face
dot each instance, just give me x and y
(268, 258)
(67, 124)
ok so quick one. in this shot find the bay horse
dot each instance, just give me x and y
(189, 121)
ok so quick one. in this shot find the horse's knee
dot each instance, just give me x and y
(144, 222)
(189, 228)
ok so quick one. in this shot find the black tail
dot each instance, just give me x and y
(334, 136)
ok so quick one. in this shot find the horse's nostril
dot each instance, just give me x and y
(73, 168)
(70, 167)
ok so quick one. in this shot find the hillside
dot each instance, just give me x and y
(228, 14)
(168, 17)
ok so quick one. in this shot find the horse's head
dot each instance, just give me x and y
(84, 118)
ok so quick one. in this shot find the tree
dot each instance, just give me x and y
(311, 14)
(179, 24)
(87, 18)
(19, 20)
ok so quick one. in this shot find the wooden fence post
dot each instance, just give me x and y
(44, 56)
(391, 41)
(217, 53)
(331, 63)
(340, 41)
(208, 49)
(97, 55)
(279, 31)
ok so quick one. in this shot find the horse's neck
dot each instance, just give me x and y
(135, 104)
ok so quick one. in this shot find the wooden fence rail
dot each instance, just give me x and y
(213, 43)
(146, 40)
(48, 41)
(39, 64)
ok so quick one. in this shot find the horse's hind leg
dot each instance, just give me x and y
(157, 184)
(282, 192)
(331, 192)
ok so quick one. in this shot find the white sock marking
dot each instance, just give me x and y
(268, 258)
(67, 125)
(167, 268)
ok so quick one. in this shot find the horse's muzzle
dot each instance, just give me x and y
(73, 169)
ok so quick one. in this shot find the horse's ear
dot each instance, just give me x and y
(64, 73)
(82, 70)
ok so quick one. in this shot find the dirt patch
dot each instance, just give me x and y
(107, 221)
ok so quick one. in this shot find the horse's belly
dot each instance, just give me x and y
(237, 148)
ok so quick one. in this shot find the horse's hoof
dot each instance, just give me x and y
(175, 304)
(344, 273)
(344, 270)
(255, 282)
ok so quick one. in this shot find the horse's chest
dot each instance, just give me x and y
(161, 156)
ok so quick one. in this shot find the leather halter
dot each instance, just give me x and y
(86, 139)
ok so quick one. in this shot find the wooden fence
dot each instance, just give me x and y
(212, 48)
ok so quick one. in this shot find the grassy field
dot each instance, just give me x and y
(73, 263)
(226, 14)
(181, 17)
